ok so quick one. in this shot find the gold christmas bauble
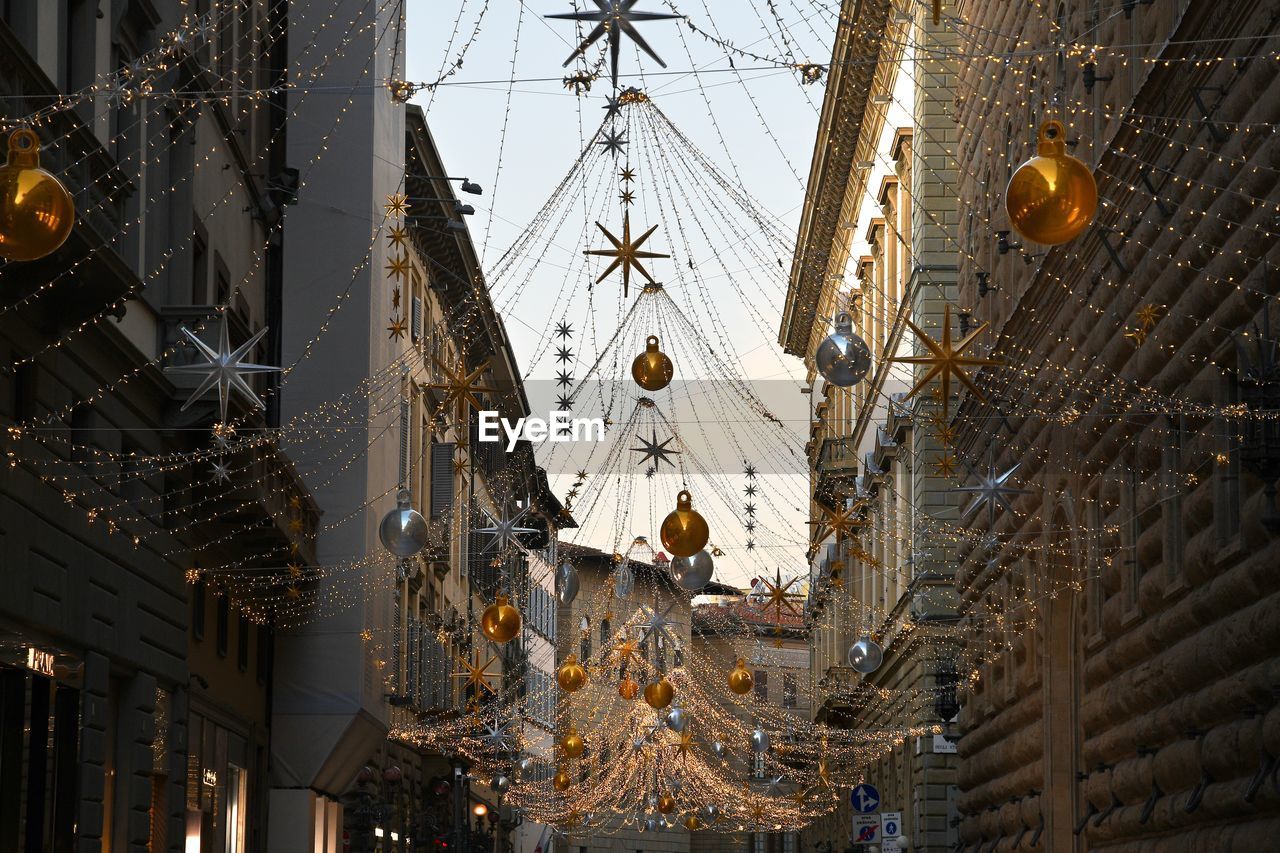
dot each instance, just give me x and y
(659, 693)
(691, 823)
(1053, 196)
(627, 688)
(561, 780)
(652, 370)
(740, 679)
(571, 676)
(666, 804)
(684, 531)
(36, 211)
(500, 621)
(572, 744)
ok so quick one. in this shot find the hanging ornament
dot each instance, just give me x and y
(624, 581)
(403, 530)
(692, 823)
(666, 804)
(1053, 196)
(524, 765)
(659, 693)
(500, 784)
(759, 741)
(652, 370)
(843, 358)
(677, 719)
(712, 812)
(571, 676)
(567, 583)
(865, 656)
(717, 749)
(684, 531)
(572, 744)
(740, 679)
(650, 825)
(628, 688)
(500, 622)
(36, 211)
(693, 573)
(561, 780)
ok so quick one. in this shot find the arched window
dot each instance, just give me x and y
(585, 626)
(606, 634)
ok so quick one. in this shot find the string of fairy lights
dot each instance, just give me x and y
(640, 763)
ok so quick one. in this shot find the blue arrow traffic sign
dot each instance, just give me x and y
(864, 798)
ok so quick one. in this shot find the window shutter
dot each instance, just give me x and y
(404, 439)
(441, 478)
(415, 319)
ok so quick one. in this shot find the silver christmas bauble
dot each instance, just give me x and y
(624, 581)
(403, 530)
(677, 719)
(843, 358)
(711, 811)
(567, 583)
(650, 825)
(717, 748)
(865, 656)
(500, 784)
(693, 573)
(759, 741)
(524, 765)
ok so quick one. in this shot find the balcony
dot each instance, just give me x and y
(837, 469)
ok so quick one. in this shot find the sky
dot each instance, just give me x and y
(747, 129)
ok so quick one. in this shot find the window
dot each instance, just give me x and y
(762, 685)
(242, 643)
(788, 690)
(224, 624)
(585, 626)
(197, 610)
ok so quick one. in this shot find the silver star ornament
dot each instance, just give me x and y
(993, 490)
(223, 368)
(614, 18)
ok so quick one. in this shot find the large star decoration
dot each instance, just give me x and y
(459, 386)
(993, 490)
(652, 450)
(223, 368)
(505, 529)
(946, 361)
(657, 623)
(842, 522)
(477, 674)
(626, 254)
(613, 142)
(496, 735)
(777, 595)
(614, 18)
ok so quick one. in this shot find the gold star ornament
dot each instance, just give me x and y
(626, 253)
(946, 361)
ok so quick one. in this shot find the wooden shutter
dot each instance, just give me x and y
(405, 435)
(441, 478)
(415, 319)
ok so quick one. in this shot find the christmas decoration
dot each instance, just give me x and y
(655, 451)
(676, 719)
(760, 742)
(652, 369)
(843, 358)
(1052, 197)
(499, 784)
(946, 361)
(684, 531)
(571, 744)
(36, 211)
(625, 253)
(571, 676)
(693, 573)
(561, 780)
(992, 491)
(504, 529)
(500, 622)
(666, 804)
(567, 583)
(865, 656)
(403, 530)
(627, 688)
(222, 368)
(659, 693)
(740, 678)
(613, 18)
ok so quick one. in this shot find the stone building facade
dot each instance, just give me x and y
(1131, 703)
(875, 242)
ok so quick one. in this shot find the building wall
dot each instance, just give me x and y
(1130, 710)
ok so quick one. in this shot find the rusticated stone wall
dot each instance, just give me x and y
(1136, 708)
